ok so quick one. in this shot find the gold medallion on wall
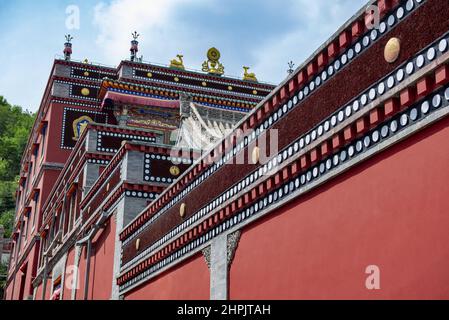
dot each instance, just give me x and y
(392, 50)
(175, 171)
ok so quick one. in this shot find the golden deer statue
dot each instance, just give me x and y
(248, 76)
(179, 64)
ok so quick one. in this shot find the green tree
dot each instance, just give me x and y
(15, 126)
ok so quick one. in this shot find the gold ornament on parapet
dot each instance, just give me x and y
(248, 76)
(212, 64)
(178, 64)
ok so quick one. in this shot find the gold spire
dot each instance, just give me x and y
(212, 65)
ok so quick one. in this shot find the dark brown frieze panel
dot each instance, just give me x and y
(191, 81)
(74, 122)
(84, 92)
(89, 74)
(163, 168)
(109, 141)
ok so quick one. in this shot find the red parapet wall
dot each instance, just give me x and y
(189, 281)
(101, 272)
(391, 211)
(69, 275)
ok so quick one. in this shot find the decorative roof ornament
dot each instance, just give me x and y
(134, 45)
(177, 63)
(248, 76)
(290, 70)
(68, 47)
(212, 65)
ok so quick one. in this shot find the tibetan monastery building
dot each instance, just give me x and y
(152, 182)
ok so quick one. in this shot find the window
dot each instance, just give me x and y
(72, 209)
(41, 253)
(30, 166)
(36, 151)
(21, 233)
(27, 226)
(77, 212)
(46, 243)
(66, 215)
(13, 252)
(23, 195)
(18, 244)
(57, 223)
(36, 202)
(44, 134)
(19, 197)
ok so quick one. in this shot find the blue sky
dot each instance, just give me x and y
(262, 34)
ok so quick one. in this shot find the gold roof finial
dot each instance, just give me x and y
(177, 63)
(248, 76)
(212, 65)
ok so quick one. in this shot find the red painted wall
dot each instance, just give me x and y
(39, 292)
(49, 178)
(8, 292)
(38, 295)
(31, 270)
(54, 152)
(68, 276)
(16, 285)
(189, 281)
(47, 292)
(101, 266)
(391, 211)
(79, 294)
(102, 262)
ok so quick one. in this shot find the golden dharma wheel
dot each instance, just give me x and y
(213, 54)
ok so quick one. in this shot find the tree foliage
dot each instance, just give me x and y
(15, 125)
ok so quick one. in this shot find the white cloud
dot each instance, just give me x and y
(163, 34)
(155, 20)
(317, 21)
(263, 34)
